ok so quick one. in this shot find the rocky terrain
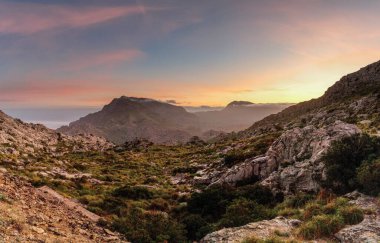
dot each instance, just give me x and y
(293, 162)
(17, 137)
(366, 231)
(37, 215)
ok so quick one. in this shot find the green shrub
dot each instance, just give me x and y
(234, 157)
(369, 177)
(196, 226)
(146, 227)
(212, 202)
(243, 211)
(321, 226)
(351, 215)
(297, 201)
(289, 213)
(159, 204)
(312, 209)
(258, 193)
(342, 159)
(133, 192)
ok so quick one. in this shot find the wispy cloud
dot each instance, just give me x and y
(28, 18)
(108, 58)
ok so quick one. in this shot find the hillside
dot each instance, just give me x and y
(353, 94)
(34, 215)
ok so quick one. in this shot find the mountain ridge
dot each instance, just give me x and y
(127, 118)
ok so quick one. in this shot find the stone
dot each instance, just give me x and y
(38, 230)
(261, 230)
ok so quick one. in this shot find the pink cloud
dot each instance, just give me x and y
(55, 93)
(24, 18)
(102, 59)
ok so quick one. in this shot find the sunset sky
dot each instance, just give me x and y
(83, 53)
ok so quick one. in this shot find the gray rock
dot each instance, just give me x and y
(369, 229)
(261, 230)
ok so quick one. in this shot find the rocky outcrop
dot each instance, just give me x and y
(260, 230)
(369, 229)
(293, 162)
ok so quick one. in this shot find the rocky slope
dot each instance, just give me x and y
(127, 118)
(354, 96)
(293, 162)
(34, 215)
(17, 137)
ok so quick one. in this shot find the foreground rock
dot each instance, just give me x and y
(32, 215)
(366, 231)
(260, 230)
(369, 229)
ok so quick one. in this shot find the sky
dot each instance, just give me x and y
(80, 54)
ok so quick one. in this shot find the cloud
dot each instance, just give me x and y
(54, 93)
(28, 18)
(82, 61)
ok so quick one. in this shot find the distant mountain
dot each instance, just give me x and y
(237, 115)
(128, 118)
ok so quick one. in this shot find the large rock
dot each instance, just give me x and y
(261, 230)
(293, 162)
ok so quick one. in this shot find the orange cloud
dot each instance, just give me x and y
(29, 18)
